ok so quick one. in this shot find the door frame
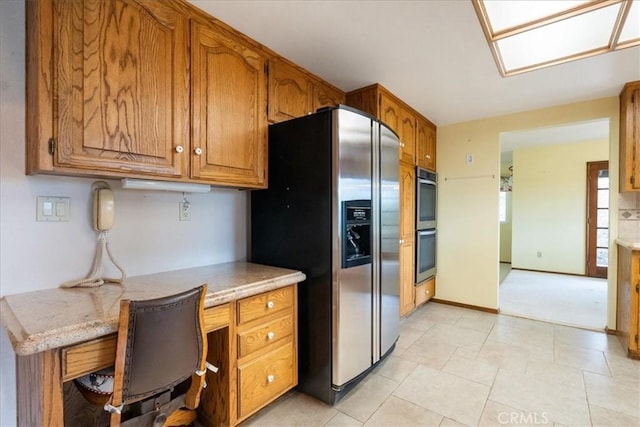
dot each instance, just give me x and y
(591, 232)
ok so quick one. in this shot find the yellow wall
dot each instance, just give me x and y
(550, 205)
(468, 228)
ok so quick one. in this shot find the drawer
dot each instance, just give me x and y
(217, 317)
(267, 303)
(425, 291)
(265, 378)
(264, 335)
(88, 357)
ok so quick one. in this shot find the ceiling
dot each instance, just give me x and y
(430, 53)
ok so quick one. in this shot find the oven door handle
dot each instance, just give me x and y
(426, 233)
(426, 181)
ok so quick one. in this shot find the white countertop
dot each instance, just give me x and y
(51, 318)
(629, 244)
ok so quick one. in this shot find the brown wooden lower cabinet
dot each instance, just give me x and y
(266, 348)
(252, 341)
(628, 311)
(425, 291)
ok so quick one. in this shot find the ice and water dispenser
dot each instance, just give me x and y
(356, 233)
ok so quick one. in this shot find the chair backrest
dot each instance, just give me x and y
(161, 342)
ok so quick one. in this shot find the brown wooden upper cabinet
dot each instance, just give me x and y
(293, 93)
(417, 134)
(107, 88)
(407, 135)
(425, 144)
(229, 94)
(630, 137)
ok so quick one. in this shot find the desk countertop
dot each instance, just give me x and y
(42, 320)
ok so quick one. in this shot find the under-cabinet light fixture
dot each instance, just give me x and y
(181, 187)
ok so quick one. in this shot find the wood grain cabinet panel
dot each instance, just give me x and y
(407, 201)
(259, 306)
(390, 113)
(267, 348)
(259, 337)
(120, 87)
(425, 145)
(290, 92)
(228, 106)
(628, 301)
(407, 282)
(326, 96)
(264, 379)
(294, 93)
(630, 137)
(425, 291)
(407, 134)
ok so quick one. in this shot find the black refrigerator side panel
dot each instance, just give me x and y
(291, 228)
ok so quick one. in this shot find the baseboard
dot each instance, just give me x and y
(610, 331)
(554, 272)
(469, 306)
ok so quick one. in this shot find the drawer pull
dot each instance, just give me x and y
(270, 378)
(270, 304)
(270, 335)
(179, 149)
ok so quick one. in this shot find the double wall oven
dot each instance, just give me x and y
(426, 233)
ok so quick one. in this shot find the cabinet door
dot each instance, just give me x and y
(425, 145)
(630, 137)
(407, 288)
(390, 113)
(229, 109)
(290, 92)
(407, 200)
(325, 96)
(407, 136)
(121, 69)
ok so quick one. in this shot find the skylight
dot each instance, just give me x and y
(526, 35)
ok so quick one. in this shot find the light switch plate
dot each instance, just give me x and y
(52, 209)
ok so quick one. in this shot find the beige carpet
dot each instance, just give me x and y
(556, 298)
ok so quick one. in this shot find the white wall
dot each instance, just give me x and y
(468, 230)
(550, 205)
(147, 236)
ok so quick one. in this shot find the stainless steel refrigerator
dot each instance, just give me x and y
(331, 211)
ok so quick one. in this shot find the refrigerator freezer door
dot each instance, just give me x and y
(389, 236)
(352, 298)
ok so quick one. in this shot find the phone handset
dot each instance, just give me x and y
(103, 206)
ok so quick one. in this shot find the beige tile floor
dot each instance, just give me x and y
(454, 366)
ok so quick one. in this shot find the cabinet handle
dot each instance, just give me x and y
(270, 304)
(428, 156)
(198, 151)
(179, 149)
(270, 335)
(401, 241)
(270, 378)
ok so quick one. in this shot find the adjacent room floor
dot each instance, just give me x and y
(454, 366)
(558, 298)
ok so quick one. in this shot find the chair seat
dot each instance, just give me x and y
(97, 386)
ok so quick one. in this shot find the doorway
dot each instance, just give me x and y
(597, 254)
(543, 236)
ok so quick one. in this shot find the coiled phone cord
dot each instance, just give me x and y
(93, 279)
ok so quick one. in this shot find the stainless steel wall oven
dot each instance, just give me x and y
(426, 197)
(426, 231)
(425, 254)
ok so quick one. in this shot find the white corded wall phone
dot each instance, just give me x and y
(103, 206)
(103, 215)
